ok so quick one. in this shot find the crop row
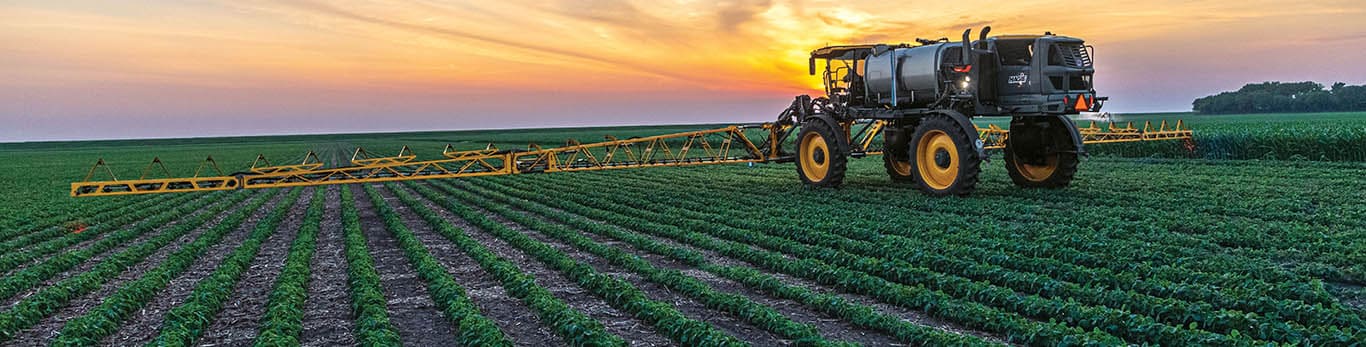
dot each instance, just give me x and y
(1238, 291)
(105, 318)
(1093, 226)
(859, 315)
(35, 274)
(931, 255)
(617, 292)
(1149, 327)
(788, 242)
(754, 313)
(16, 238)
(932, 225)
(184, 324)
(573, 326)
(934, 303)
(283, 320)
(61, 240)
(472, 328)
(101, 210)
(807, 245)
(28, 311)
(1306, 140)
(367, 299)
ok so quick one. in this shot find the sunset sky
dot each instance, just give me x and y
(132, 69)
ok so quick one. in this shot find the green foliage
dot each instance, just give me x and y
(935, 303)
(26, 235)
(1149, 251)
(35, 274)
(860, 217)
(1269, 97)
(575, 327)
(367, 299)
(284, 316)
(472, 328)
(45, 243)
(106, 317)
(617, 292)
(859, 315)
(185, 323)
(740, 306)
(904, 258)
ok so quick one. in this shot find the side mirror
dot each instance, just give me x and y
(811, 66)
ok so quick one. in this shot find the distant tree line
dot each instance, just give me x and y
(1273, 97)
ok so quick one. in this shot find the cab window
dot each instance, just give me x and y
(1015, 52)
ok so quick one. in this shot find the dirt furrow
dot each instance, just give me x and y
(50, 326)
(616, 322)
(104, 230)
(95, 261)
(908, 315)
(327, 311)
(142, 326)
(512, 316)
(411, 309)
(688, 306)
(831, 327)
(238, 322)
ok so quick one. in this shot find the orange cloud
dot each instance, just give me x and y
(1152, 54)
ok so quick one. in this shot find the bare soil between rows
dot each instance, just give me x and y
(98, 258)
(619, 323)
(512, 316)
(912, 316)
(831, 327)
(50, 326)
(327, 310)
(239, 321)
(411, 310)
(145, 323)
(690, 307)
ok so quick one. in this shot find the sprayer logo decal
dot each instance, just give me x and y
(1019, 80)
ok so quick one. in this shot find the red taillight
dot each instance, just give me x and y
(962, 69)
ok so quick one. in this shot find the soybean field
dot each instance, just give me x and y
(1255, 234)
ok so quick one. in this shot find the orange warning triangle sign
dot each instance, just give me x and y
(1081, 103)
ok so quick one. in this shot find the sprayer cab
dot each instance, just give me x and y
(1009, 75)
(1044, 74)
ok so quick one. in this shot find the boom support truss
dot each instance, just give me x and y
(729, 145)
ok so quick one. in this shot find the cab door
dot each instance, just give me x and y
(1017, 71)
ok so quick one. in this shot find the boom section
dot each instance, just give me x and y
(736, 144)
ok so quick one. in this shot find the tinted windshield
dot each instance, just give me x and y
(1015, 52)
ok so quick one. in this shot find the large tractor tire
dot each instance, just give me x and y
(822, 153)
(945, 158)
(1040, 155)
(896, 154)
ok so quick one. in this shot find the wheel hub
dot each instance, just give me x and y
(937, 160)
(941, 158)
(813, 157)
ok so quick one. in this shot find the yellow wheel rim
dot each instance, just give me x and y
(937, 160)
(815, 162)
(1037, 173)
